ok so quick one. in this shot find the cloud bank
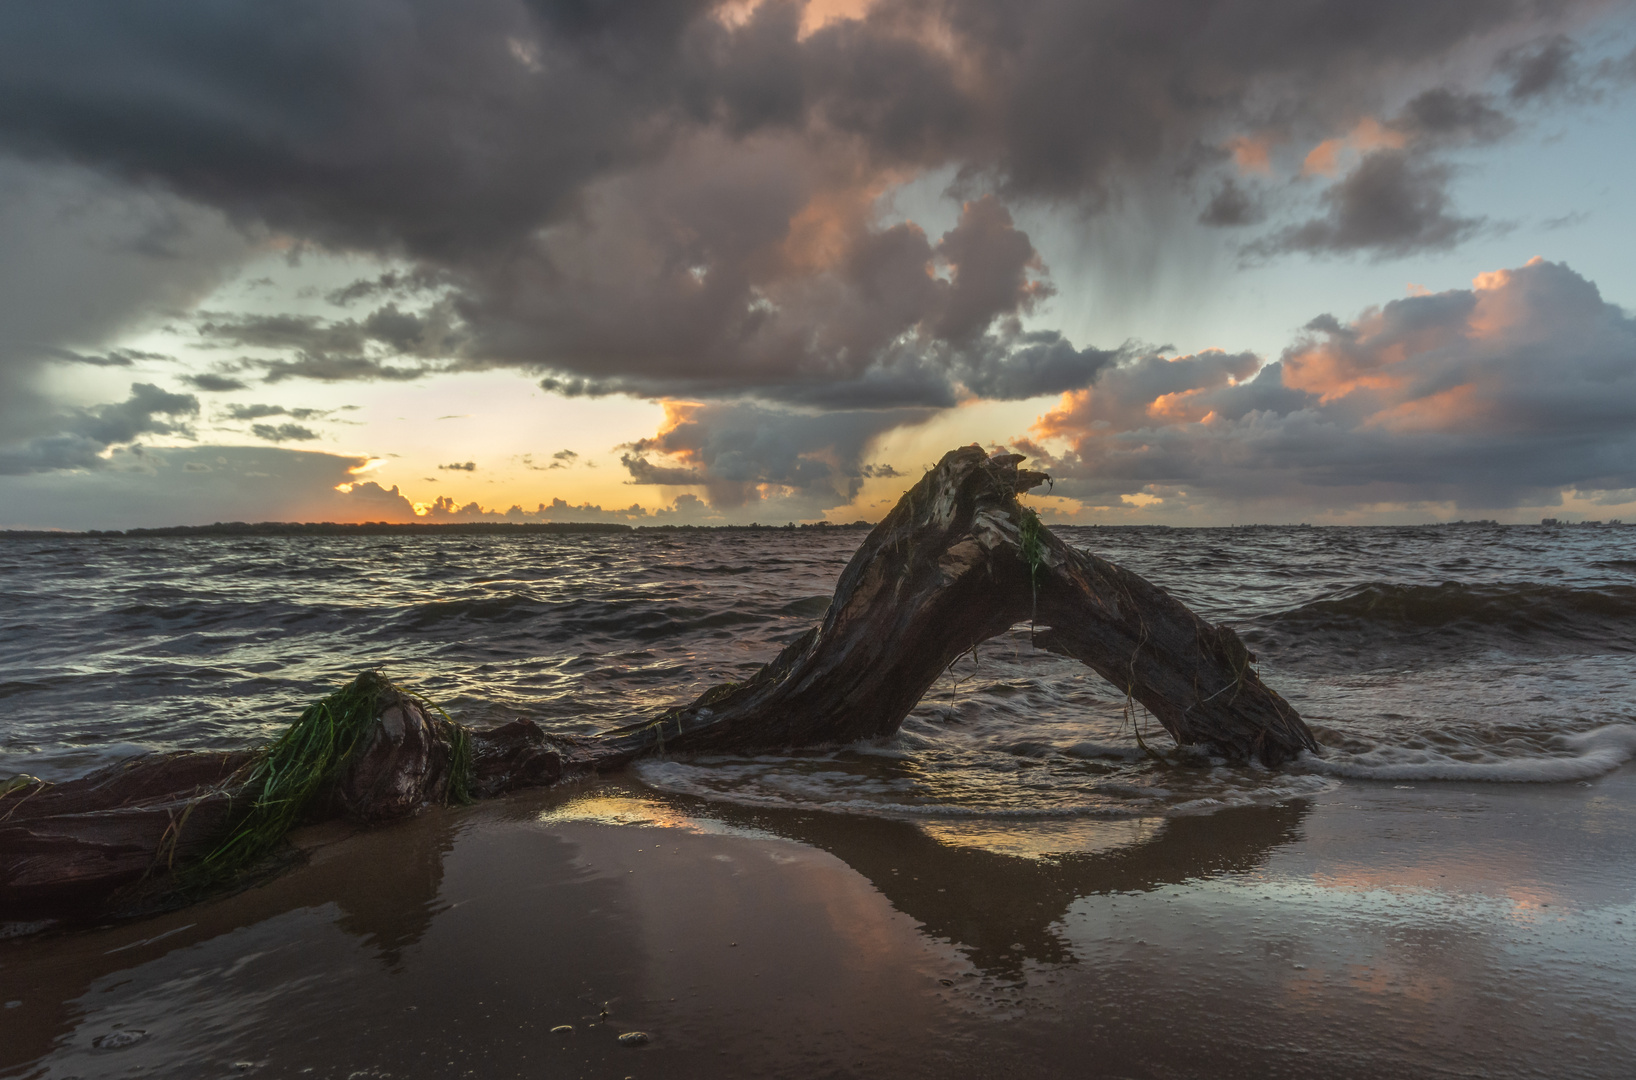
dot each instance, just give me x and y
(683, 198)
(693, 200)
(1493, 397)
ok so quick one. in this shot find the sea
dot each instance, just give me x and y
(1418, 655)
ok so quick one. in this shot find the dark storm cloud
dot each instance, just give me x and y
(863, 317)
(397, 101)
(211, 382)
(262, 410)
(85, 434)
(73, 277)
(283, 433)
(743, 454)
(1394, 201)
(371, 145)
(1541, 68)
(1391, 204)
(1446, 114)
(111, 358)
(674, 197)
(1498, 396)
(646, 472)
(1232, 206)
(324, 368)
(329, 350)
(1552, 68)
(1033, 364)
(393, 283)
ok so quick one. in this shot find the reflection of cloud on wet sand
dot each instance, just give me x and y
(1002, 909)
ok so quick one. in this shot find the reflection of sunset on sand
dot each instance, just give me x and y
(1041, 839)
(1463, 928)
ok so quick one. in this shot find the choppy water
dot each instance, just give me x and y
(1417, 654)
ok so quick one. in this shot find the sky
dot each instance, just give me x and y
(1206, 262)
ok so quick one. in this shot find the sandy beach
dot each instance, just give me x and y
(1439, 929)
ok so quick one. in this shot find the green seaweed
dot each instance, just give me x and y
(284, 780)
(461, 787)
(1031, 542)
(19, 782)
(288, 775)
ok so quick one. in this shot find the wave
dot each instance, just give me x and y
(762, 783)
(1552, 759)
(1528, 615)
(556, 621)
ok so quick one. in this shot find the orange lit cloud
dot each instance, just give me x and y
(820, 13)
(1506, 302)
(1509, 393)
(1446, 410)
(1145, 392)
(1253, 153)
(815, 14)
(1368, 134)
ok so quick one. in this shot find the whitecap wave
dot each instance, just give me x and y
(764, 783)
(1552, 759)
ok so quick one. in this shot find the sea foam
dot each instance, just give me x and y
(1554, 759)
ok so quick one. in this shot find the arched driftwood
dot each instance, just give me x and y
(958, 561)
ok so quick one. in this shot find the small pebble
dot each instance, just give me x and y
(244, 1066)
(562, 1029)
(633, 1038)
(1299, 967)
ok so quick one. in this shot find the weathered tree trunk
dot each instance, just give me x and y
(68, 845)
(958, 561)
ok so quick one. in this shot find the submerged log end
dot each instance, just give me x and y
(1252, 721)
(402, 766)
(1197, 679)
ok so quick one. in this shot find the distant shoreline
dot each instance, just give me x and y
(387, 528)
(568, 528)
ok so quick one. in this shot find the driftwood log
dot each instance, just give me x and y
(959, 560)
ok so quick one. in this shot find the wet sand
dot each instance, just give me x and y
(1374, 930)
